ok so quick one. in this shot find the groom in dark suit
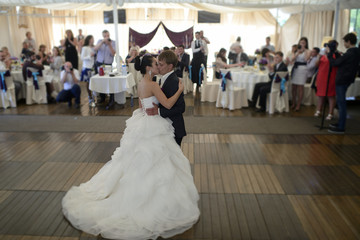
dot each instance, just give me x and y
(169, 83)
(263, 88)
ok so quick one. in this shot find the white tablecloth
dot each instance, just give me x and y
(354, 89)
(117, 84)
(247, 79)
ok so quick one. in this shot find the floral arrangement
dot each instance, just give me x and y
(257, 52)
(263, 61)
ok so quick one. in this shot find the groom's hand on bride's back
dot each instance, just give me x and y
(153, 111)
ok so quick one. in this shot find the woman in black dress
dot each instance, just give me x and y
(71, 54)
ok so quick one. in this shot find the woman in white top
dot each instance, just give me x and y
(299, 73)
(221, 63)
(87, 56)
(56, 63)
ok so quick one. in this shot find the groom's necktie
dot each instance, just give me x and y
(160, 82)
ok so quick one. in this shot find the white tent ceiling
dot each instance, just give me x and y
(288, 6)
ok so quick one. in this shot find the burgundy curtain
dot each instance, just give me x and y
(177, 38)
(141, 39)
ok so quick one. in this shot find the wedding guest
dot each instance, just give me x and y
(239, 56)
(71, 54)
(205, 42)
(268, 45)
(5, 62)
(290, 56)
(56, 63)
(33, 62)
(87, 56)
(221, 63)
(6, 52)
(70, 78)
(233, 46)
(43, 55)
(311, 63)
(266, 55)
(25, 50)
(80, 39)
(105, 56)
(183, 61)
(133, 53)
(325, 85)
(299, 73)
(263, 88)
(30, 41)
(347, 66)
(198, 59)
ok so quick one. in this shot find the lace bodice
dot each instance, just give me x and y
(148, 102)
(301, 57)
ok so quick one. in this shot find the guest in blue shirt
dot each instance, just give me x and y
(105, 56)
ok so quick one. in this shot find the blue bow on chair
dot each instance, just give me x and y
(282, 82)
(224, 77)
(190, 72)
(3, 82)
(200, 74)
(35, 79)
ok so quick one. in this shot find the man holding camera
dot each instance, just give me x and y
(105, 56)
(347, 67)
(70, 78)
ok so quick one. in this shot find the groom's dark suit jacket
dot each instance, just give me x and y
(169, 88)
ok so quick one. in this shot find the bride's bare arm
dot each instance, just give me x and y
(166, 102)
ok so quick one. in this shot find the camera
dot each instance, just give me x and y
(109, 39)
(37, 57)
(299, 47)
(71, 69)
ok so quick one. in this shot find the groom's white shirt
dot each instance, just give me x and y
(163, 78)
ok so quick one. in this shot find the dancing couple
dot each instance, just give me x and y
(146, 190)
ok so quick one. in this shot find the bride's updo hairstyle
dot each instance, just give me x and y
(142, 62)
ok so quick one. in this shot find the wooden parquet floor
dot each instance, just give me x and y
(251, 186)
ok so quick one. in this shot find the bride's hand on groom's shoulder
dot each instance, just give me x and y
(153, 111)
(181, 86)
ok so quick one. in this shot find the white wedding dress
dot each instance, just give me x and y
(145, 191)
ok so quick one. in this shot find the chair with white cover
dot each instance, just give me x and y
(188, 84)
(309, 93)
(35, 87)
(229, 96)
(7, 90)
(278, 98)
(209, 90)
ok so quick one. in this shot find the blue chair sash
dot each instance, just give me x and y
(190, 72)
(282, 82)
(201, 75)
(3, 86)
(35, 75)
(224, 80)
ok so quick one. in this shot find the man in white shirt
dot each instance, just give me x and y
(31, 42)
(311, 63)
(205, 42)
(198, 50)
(268, 45)
(70, 78)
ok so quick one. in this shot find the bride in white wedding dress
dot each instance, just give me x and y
(146, 190)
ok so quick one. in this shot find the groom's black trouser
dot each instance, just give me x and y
(178, 140)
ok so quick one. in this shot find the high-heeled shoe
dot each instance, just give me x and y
(317, 114)
(329, 117)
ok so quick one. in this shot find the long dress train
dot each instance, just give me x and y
(145, 191)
